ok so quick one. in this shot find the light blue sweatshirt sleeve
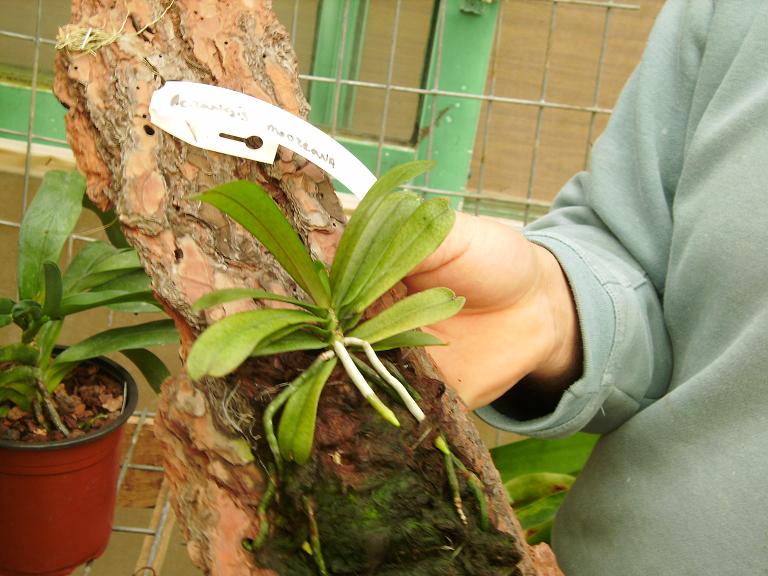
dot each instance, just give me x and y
(610, 229)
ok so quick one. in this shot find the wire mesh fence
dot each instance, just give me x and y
(508, 96)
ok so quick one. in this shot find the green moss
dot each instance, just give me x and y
(387, 510)
(400, 524)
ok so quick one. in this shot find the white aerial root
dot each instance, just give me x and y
(410, 403)
(359, 381)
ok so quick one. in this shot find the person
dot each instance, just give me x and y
(638, 309)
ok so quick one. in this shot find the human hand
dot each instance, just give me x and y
(519, 320)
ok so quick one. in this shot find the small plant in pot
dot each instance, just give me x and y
(62, 409)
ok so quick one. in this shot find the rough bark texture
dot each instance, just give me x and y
(380, 495)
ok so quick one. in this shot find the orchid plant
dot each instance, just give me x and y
(388, 235)
(99, 275)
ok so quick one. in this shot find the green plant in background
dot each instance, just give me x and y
(99, 275)
(389, 234)
(537, 475)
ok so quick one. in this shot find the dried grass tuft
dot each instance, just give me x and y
(74, 38)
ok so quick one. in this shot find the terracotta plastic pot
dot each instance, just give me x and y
(57, 499)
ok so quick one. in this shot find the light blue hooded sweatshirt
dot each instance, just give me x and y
(665, 244)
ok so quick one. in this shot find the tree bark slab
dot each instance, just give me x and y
(379, 495)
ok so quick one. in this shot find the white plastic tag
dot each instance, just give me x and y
(234, 123)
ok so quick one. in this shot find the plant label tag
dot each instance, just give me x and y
(234, 123)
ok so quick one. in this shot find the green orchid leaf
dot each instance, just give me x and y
(49, 220)
(420, 309)
(408, 339)
(144, 335)
(562, 455)
(228, 342)
(55, 373)
(293, 342)
(53, 290)
(322, 273)
(87, 300)
(136, 281)
(6, 305)
(83, 262)
(357, 225)
(136, 308)
(218, 297)
(151, 367)
(110, 223)
(19, 354)
(27, 315)
(46, 340)
(416, 239)
(536, 518)
(21, 399)
(99, 263)
(18, 375)
(250, 205)
(524, 489)
(297, 423)
(122, 259)
(363, 259)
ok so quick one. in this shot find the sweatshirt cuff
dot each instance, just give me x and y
(596, 308)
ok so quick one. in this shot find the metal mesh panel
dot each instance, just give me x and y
(531, 131)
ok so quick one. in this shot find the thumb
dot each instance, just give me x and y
(455, 245)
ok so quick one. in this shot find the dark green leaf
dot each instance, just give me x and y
(18, 353)
(225, 295)
(6, 305)
(524, 489)
(27, 315)
(55, 373)
(227, 343)
(421, 234)
(409, 339)
(564, 456)
(537, 517)
(415, 311)
(151, 367)
(145, 335)
(136, 281)
(47, 338)
(362, 259)
(369, 204)
(290, 343)
(136, 308)
(297, 423)
(88, 300)
(251, 206)
(48, 221)
(110, 222)
(83, 264)
(23, 401)
(99, 263)
(53, 290)
(18, 375)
